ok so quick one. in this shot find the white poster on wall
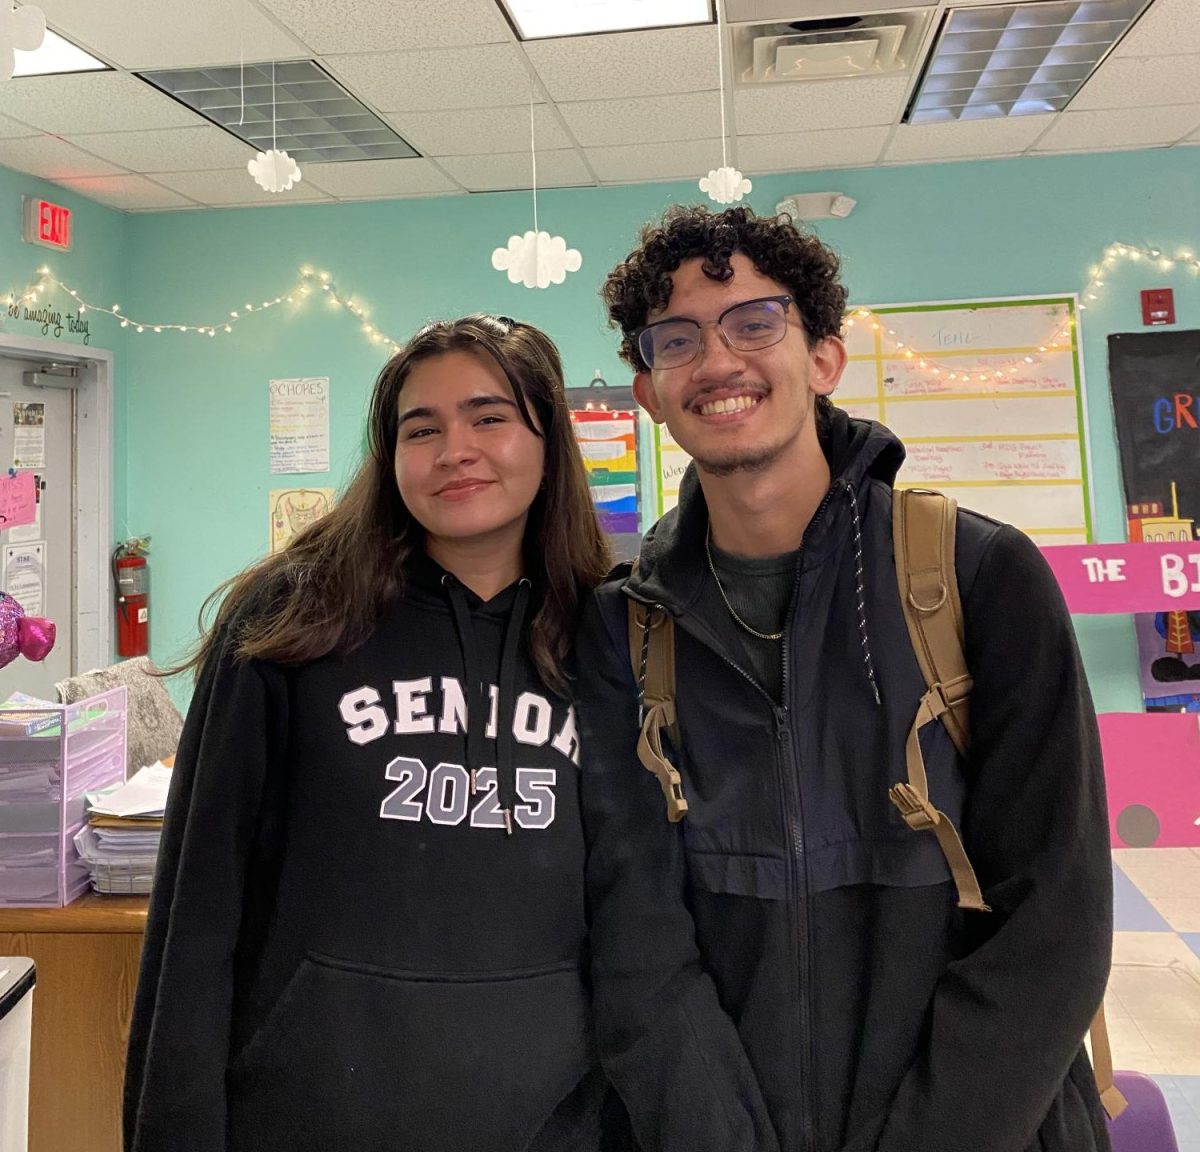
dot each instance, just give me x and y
(25, 575)
(294, 509)
(300, 425)
(29, 435)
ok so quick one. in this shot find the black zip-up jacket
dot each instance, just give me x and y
(345, 948)
(788, 968)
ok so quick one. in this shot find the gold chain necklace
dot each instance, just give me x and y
(737, 619)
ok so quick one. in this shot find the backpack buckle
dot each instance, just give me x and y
(918, 813)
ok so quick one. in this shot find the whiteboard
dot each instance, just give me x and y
(988, 397)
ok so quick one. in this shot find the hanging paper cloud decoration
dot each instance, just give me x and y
(274, 170)
(725, 185)
(537, 259)
(21, 29)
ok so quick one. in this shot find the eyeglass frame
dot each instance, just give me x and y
(786, 299)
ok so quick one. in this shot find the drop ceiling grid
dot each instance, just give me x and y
(612, 108)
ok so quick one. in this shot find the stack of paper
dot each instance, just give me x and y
(120, 840)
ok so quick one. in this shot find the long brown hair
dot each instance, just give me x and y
(328, 589)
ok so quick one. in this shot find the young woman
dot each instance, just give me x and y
(368, 926)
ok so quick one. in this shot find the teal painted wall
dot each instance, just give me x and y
(97, 267)
(196, 439)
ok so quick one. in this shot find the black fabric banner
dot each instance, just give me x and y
(1155, 382)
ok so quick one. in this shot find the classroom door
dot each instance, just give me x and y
(37, 561)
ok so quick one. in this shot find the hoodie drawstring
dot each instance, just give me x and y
(478, 704)
(506, 776)
(860, 594)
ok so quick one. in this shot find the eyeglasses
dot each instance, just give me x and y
(747, 327)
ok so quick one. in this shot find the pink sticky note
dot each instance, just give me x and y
(1141, 577)
(18, 500)
(1152, 771)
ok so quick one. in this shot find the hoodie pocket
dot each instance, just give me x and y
(382, 1061)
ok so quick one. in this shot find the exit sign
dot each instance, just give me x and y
(47, 224)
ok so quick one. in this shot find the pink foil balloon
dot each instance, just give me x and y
(21, 635)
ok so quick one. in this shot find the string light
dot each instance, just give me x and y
(1118, 251)
(926, 361)
(894, 349)
(294, 295)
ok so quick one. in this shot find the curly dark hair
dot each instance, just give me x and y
(798, 260)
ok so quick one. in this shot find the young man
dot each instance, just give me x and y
(788, 967)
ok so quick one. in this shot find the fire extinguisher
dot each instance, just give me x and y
(131, 576)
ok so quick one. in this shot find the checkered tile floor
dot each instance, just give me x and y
(1153, 1002)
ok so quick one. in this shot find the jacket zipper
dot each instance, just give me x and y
(799, 865)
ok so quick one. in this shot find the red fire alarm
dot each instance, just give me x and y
(1158, 306)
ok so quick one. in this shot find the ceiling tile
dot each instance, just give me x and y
(1141, 82)
(171, 33)
(815, 105)
(795, 151)
(51, 158)
(487, 77)
(10, 129)
(234, 187)
(1169, 26)
(961, 138)
(563, 168)
(671, 161)
(128, 193)
(631, 63)
(91, 102)
(167, 149)
(1128, 128)
(379, 178)
(390, 25)
(479, 130)
(690, 116)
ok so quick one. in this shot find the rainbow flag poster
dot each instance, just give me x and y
(608, 442)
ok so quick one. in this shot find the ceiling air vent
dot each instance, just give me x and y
(836, 46)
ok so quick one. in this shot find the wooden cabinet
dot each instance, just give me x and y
(87, 957)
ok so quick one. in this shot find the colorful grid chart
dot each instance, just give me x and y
(608, 442)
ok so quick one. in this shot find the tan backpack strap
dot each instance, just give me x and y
(652, 655)
(1102, 1065)
(923, 530)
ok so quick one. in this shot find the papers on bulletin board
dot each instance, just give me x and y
(294, 509)
(29, 435)
(671, 463)
(300, 425)
(608, 443)
(18, 500)
(990, 405)
(24, 533)
(25, 575)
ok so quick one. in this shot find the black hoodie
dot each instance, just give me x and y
(787, 969)
(346, 947)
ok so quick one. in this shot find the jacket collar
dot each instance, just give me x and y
(671, 567)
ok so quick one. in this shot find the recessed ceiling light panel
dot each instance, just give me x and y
(542, 19)
(55, 57)
(1017, 59)
(304, 111)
